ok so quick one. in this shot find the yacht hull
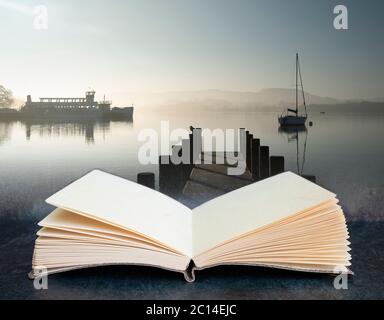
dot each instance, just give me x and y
(292, 121)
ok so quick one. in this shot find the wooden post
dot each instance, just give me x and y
(168, 176)
(191, 148)
(164, 163)
(250, 152)
(146, 179)
(264, 162)
(277, 165)
(248, 155)
(197, 145)
(256, 159)
(242, 143)
(172, 177)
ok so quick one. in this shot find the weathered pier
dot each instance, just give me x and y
(195, 182)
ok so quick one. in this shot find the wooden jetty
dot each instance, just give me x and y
(194, 183)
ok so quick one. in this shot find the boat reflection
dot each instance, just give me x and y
(299, 136)
(84, 128)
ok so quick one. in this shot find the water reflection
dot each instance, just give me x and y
(5, 129)
(39, 158)
(344, 152)
(79, 128)
(298, 135)
(295, 135)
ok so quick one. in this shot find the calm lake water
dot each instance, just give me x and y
(344, 151)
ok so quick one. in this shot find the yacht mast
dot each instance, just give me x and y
(297, 86)
(302, 90)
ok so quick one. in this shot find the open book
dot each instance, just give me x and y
(282, 222)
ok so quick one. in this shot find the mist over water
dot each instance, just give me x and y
(345, 151)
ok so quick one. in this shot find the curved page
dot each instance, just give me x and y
(123, 203)
(254, 206)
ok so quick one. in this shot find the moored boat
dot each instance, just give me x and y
(291, 117)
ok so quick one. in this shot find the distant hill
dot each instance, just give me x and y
(282, 97)
(378, 100)
(221, 99)
(351, 107)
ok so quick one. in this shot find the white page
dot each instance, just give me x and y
(251, 207)
(124, 203)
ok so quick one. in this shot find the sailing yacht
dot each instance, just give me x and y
(291, 117)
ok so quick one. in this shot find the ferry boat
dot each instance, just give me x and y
(74, 108)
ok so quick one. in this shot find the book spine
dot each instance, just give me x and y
(189, 273)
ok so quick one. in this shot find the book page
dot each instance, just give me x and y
(123, 203)
(246, 209)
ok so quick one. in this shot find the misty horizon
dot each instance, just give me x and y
(217, 98)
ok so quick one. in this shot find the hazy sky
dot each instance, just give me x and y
(119, 47)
